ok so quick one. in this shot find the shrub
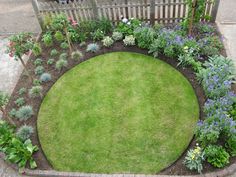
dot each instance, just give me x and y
(63, 56)
(204, 28)
(127, 26)
(13, 112)
(93, 47)
(144, 36)
(217, 156)
(59, 36)
(37, 50)
(38, 62)
(50, 61)
(64, 45)
(194, 159)
(76, 55)
(107, 41)
(47, 39)
(129, 40)
(22, 91)
(36, 91)
(61, 64)
(45, 77)
(24, 113)
(117, 36)
(104, 25)
(39, 70)
(24, 132)
(231, 145)
(20, 101)
(54, 52)
(97, 35)
(36, 82)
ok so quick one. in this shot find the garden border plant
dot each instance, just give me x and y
(220, 107)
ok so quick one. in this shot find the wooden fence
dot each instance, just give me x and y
(153, 11)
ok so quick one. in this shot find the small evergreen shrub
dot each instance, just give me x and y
(117, 36)
(50, 61)
(38, 62)
(20, 101)
(61, 64)
(36, 91)
(107, 41)
(24, 132)
(24, 113)
(53, 52)
(12, 113)
(36, 82)
(39, 70)
(129, 40)
(93, 47)
(76, 55)
(47, 39)
(45, 77)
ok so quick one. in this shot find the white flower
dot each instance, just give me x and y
(124, 20)
(128, 23)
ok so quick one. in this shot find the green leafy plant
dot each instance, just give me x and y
(24, 113)
(36, 91)
(59, 36)
(20, 101)
(39, 70)
(50, 61)
(129, 40)
(117, 35)
(53, 52)
(76, 55)
(64, 45)
(107, 41)
(144, 36)
(38, 62)
(63, 56)
(93, 47)
(45, 77)
(12, 113)
(4, 99)
(127, 26)
(97, 35)
(194, 159)
(47, 39)
(231, 145)
(61, 63)
(22, 91)
(217, 156)
(24, 132)
(36, 82)
(36, 50)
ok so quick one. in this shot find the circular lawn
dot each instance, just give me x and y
(118, 113)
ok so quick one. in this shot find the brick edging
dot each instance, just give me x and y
(52, 173)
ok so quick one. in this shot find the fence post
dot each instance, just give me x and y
(215, 10)
(95, 9)
(152, 12)
(36, 11)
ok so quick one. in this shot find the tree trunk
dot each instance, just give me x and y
(6, 116)
(190, 28)
(24, 65)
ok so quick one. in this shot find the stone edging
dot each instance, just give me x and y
(51, 173)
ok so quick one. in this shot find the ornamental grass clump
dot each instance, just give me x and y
(194, 159)
(107, 41)
(129, 40)
(76, 55)
(24, 113)
(93, 47)
(36, 91)
(24, 132)
(45, 77)
(61, 63)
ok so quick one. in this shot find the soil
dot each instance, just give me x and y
(177, 168)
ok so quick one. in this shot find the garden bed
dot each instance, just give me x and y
(177, 168)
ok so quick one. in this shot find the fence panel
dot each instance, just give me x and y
(154, 11)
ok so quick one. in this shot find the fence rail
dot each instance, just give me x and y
(154, 11)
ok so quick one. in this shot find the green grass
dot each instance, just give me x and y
(118, 113)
